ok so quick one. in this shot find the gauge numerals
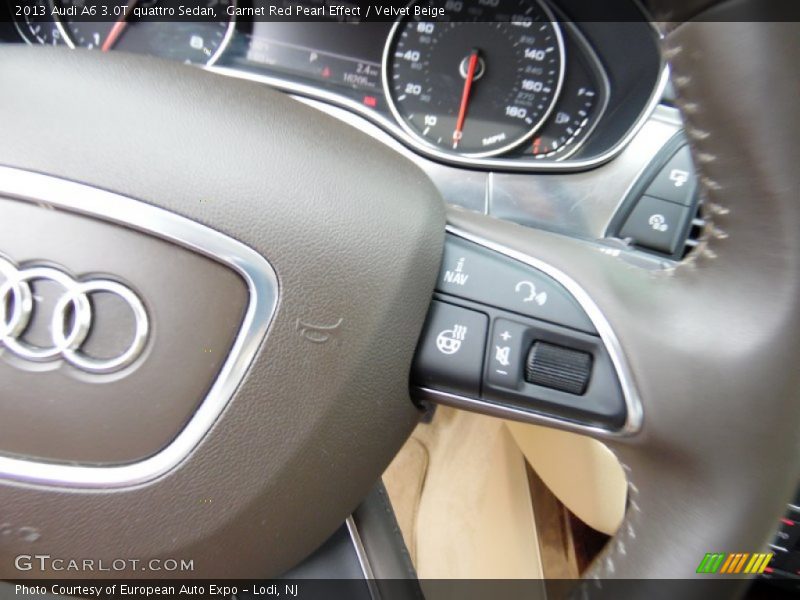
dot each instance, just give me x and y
(572, 116)
(100, 25)
(479, 83)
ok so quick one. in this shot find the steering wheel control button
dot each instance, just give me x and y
(475, 273)
(552, 371)
(661, 212)
(558, 368)
(676, 181)
(542, 357)
(656, 224)
(450, 353)
(537, 355)
(506, 354)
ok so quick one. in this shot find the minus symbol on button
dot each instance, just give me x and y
(501, 372)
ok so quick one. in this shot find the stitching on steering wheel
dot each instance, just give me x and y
(604, 564)
(698, 136)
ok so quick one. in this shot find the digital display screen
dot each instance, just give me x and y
(343, 54)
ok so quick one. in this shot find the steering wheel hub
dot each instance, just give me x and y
(232, 335)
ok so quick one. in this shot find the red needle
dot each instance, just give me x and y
(118, 27)
(462, 111)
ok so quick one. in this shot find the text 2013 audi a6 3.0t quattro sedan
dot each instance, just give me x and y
(444, 299)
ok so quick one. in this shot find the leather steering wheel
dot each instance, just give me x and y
(350, 236)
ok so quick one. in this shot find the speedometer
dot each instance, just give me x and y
(478, 81)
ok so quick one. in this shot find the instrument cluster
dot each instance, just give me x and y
(497, 84)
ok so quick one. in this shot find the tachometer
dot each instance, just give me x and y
(35, 22)
(185, 40)
(480, 80)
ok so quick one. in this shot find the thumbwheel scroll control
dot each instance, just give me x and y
(558, 368)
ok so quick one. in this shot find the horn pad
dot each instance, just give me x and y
(348, 236)
(91, 408)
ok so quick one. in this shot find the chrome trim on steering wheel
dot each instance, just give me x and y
(633, 404)
(258, 274)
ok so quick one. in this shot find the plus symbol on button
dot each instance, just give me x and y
(505, 335)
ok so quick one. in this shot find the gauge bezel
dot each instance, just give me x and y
(597, 71)
(25, 32)
(439, 152)
(223, 45)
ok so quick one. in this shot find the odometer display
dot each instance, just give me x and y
(478, 81)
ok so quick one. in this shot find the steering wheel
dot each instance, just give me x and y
(284, 264)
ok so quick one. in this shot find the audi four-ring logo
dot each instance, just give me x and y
(70, 322)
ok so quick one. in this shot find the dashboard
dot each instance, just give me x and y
(493, 85)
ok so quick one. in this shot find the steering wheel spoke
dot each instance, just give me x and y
(513, 336)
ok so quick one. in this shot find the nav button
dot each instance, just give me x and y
(450, 352)
(479, 274)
